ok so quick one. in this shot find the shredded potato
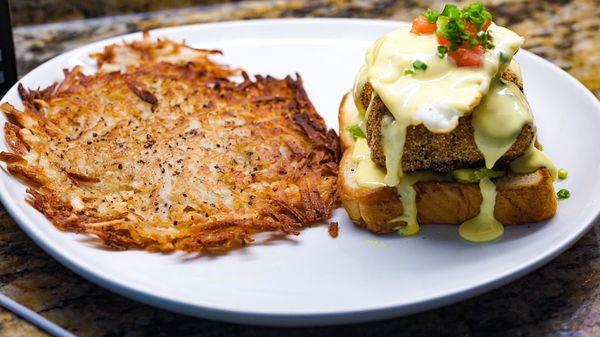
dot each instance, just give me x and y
(162, 150)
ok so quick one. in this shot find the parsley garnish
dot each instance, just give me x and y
(356, 131)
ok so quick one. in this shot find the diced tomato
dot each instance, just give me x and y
(420, 25)
(486, 25)
(467, 56)
(443, 41)
(470, 27)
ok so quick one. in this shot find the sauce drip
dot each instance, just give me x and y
(532, 160)
(367, 174)
(484, 226)
(499, 119)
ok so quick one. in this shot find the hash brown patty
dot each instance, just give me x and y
(161, 149)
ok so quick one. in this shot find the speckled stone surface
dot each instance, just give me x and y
(560, 299)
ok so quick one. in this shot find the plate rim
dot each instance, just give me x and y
(313, 318)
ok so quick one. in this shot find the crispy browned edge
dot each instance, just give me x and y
(281, 216)
(424, 150)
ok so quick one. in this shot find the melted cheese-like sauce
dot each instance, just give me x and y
(367, 173)
(532, 160)
(498, 120)
(370, 175)
(408, 195)
(394, 135)
(441, 84)
(484, 226)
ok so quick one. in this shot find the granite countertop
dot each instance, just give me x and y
(560, 299)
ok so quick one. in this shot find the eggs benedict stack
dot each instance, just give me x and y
(437, 130)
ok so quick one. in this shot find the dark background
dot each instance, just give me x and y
(44, 11)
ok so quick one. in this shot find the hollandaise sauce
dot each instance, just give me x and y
(533, 159)
(484, 226)
(367, 174)
(498, 120)
(370, 175)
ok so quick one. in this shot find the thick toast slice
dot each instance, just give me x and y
(425, 150)
(521, 199)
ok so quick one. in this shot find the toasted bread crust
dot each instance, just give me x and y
(424, 149)
(521, 199)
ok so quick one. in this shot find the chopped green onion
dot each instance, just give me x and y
(473, 176)
(409, 71)
(430, 15)
(488, 173)
(420, 65)
(476, 13)
(356, 131)
(452, 25)
(503, 57)
(442, 51)
(441, 23)
(563, 194)
(562, 173)
(465, 176)
(451, 11)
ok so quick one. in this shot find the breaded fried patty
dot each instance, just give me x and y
(440, 152)
(160, 150)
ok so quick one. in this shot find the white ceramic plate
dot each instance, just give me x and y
(314, 279)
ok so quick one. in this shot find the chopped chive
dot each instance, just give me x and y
(409, 71)
(442, 51)
(503, 57)
(563, 194)
(562, 173)
(356, 131)
(420, 65)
